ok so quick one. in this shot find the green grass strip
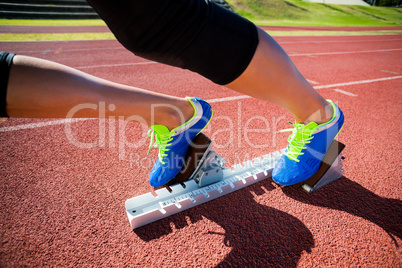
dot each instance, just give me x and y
(22, 22)
(332, 33)
(13, 37)
(102, 36)
(277, 12)
(296, 12)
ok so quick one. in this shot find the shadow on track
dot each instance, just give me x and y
(348, 196)
(260, 236)
(263, 236)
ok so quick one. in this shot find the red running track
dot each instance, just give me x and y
(62, 205)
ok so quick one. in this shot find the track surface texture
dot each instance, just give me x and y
(62, 205)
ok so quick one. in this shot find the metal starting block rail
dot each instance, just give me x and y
(210, 180)
(148, 208)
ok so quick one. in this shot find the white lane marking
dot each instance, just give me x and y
(291, 55)
(337, 41)
(43, 124)
(116, 65)
(345, 92)
(60, 50)
(312, 82)
(65, 121)
(359, 82)
(385, 71)
(344, 52)
(228, 99)
(316, 87)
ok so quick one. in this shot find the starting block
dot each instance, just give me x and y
(329, 170)
(204, 178)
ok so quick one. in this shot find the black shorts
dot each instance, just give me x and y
(198, 35)
(5, 64)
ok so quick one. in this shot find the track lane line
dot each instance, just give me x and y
(359, 82)
(337, 41)
(48, 50)
(116, 65)
(312, 82)
(228, 99)
(316, 87)
(217, 100)
(344, 52)
(44, 124)
(345, 92)
(290, 54)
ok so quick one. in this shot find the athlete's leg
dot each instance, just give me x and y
(272, 76)
(45, 89)
(218, 44)
(32, 87)
(201, 36)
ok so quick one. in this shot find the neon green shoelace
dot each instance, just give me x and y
(162, 137)
(301, 135)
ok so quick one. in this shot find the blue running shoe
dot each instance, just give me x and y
(173, 145)
(307, 146)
